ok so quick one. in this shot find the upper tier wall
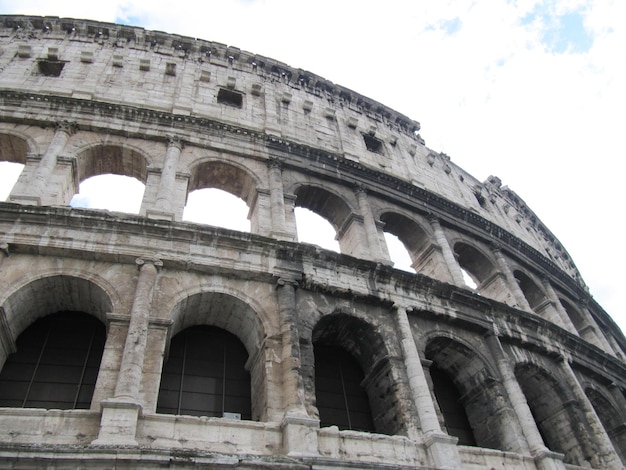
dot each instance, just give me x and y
(130, 66)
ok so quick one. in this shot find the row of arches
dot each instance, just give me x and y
(226, 194)
(208, 371)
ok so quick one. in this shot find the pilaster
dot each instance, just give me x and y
(441, 447)
(456, 276)
(118, 423)
(163, 204)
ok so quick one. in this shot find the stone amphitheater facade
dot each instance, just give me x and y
(323, 360)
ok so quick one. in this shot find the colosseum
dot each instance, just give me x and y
(147, 341)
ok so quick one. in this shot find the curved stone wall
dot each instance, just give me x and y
(538, 367)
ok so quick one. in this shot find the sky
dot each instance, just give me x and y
(531, 91)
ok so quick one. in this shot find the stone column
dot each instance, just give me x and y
(590, 330)
(371, 231)
(118, 424)
(299, 430)
(163, 203)
(277, 200)
(511, 282)
(456, 276)
(33, 192)
(441, 447)
(545, 458)
(603, 455)
(564, 319)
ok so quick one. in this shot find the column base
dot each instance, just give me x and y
(300, 435)
(444, 453)
(548, 460)
(160, 215)
(26, 200)
(118, 424)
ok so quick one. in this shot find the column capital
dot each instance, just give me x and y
(285, 281)
(146, 261)
(433, 218)
(69, 127)
(174, 141)
(274, 162)
(495, 247)
(359, 188)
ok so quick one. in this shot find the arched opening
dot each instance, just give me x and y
(408, 243)
(56, 363)
(468, 397)
(449, 400)
(9, 174)
(327, 209)
(473, 263)
(315, 229)
(225, 320)
(398, 253)
(534, 295)
(221, 194)
(612, 420)
(111, 177)
(556, 414)
(96, 193)
(216, 207)
(357, 383)
(205, 375)
(13, 152)
(340, 398)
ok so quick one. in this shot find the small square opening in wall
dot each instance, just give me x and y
(230, 97)
(373, 144)
(50, 68)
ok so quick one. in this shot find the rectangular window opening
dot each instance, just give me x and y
(373, 144)
(50, 68)
(230, 97)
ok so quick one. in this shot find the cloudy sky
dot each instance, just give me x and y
(531, 91)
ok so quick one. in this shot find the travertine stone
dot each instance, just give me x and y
(122, 100)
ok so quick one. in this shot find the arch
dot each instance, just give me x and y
(611, 418)
(14, 148)
(117, 159)
(56, 363)
(357, 344)
(13, 151)
(533, 293)
(324, 203)
(412, 235)
(55, 293)
(469, 398)
(474, 262)
(205, 375)
(223, 310)
(557, 414)
(231, 314)
(228, 177)
(575, 315)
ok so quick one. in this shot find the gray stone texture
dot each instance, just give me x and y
(539, 366)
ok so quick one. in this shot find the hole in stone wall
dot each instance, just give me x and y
(229, 97)
(96, 193)
(398, 253)
(216, 207)
(315, 229)
(373, 144)
(10, 173)
(50, 68)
